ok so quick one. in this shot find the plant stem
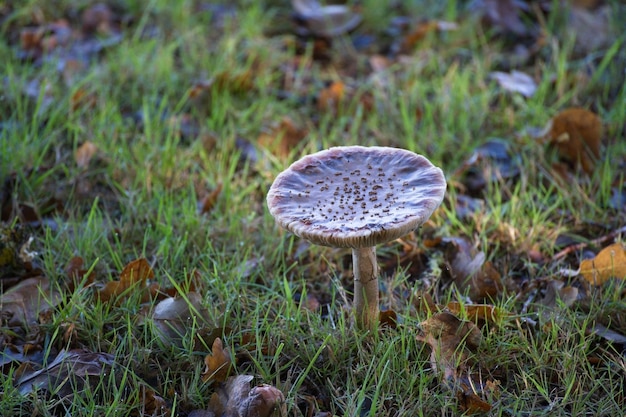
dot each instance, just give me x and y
(365, 287)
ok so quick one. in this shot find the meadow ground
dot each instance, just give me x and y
(138, 140)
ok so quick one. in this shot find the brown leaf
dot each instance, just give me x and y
(609, 263)
(424, 304)
(153, 405)
(450, 339)
(218, 363)
(557, 291)
(389, 319)
(68, 375)
(331, 97)
(469, 270)
(281, 140)
(417, 34)
(576, 133)
(134, 275)
(84, 154)
(22, 304)
(477, 313)
(208, 202)
(82, 99)
(470, 402)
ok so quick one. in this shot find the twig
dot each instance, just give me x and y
(578, 246)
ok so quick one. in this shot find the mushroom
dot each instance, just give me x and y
(357, 197)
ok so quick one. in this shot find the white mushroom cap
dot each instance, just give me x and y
(355, 196)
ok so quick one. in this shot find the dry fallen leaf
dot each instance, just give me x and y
(134, 275)
(516, 82)
(84, 154)
(234, 398)
(609, 263)
(69, 373)
(469, 270)
(282, 139)
(218, 363)
(557, 292)
(469, 401)
(21, 304)
(421, 30)
(388, 319)
(208, 201)
(331, 97)
(576, 134)
(477, 313)
(451, 340)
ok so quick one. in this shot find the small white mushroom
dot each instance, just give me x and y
(357, 197)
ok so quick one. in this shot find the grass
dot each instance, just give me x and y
(138, 197)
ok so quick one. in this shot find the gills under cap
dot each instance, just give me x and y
(355, 196)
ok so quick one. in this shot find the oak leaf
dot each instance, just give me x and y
(218, 363)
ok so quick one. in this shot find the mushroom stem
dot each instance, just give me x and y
(365, 287)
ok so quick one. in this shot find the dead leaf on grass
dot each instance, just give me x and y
(218, 363)
(332, 97)
(607, 334)
(557, 292)
(153, 404)
(493, 161)
(515, 82)
(609, 263)
(451, 340)
(234, 398)
(84, 153)
(75, 271)
(134, 276)
(22, 304)
(576, 134)
(388, 319)
(591, 28)
(71, 372)
(477, 313)
(469, 270)
(283, 138)
(208, 201)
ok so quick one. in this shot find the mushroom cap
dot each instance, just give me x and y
(356, 196)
